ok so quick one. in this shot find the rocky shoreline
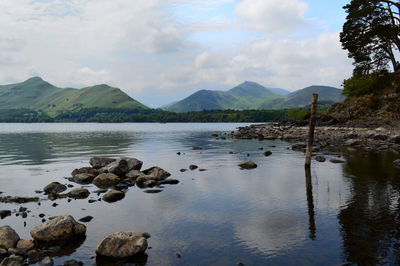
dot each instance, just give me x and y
(326, 138)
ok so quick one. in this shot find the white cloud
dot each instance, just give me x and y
(272, 16)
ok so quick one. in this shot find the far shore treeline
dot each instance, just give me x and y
(110, 115)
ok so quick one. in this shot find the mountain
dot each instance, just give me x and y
(300, 98)
(37, 94)
(248, 95)
(279, 91)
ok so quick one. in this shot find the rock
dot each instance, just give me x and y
(152, 191)
(268, 153)
(122, 245)
(299, 146)
(351, 142)
(168, 182)
(9, 199)
(106, 180)
(113, 196)
(119, 167)
(73, 263)
(13, 260)
(381, 137)
(25, 244)
(333, 160)
(84, 178)
(54, 188)
(196, 148)
(8, 237)
(156, 172)
(202, 170)
(85, 170)
(46, 261)
(133, 174)
(395, 139)
(79, 193)
(183, 170)
(100, 162)
(320, 158)
(148, 183)
(248, 165)
(58, 230)
(396, 163)
(4, 213)
(193, 167)
(33, 256)
(86, 219)
(133, 163)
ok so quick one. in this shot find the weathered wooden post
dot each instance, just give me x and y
(311, 130)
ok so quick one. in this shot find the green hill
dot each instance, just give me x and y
(37, 94)
(300, 98)
(247, 95)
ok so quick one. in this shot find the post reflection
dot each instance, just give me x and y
(310, 204)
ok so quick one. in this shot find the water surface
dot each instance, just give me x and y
(275, 214)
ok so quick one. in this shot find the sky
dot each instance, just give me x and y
(160, 51)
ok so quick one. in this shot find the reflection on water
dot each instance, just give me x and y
(276, 214)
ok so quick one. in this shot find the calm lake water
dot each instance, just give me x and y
(275, 214)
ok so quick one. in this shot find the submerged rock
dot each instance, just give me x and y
(99, 162)
(193, 167)
(248, 165)
(268, 153)
(113, 196)
(8, 237)
(334, 160)
(4, 213)
(122, 245)
(320, 158)
(54, 188)
(58, 230)
(196, 148)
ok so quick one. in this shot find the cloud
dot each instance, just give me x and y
(277, 17)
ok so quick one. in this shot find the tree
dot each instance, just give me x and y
(371, 34)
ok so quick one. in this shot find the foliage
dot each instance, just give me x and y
(376, 83)
(24, 116)
(371, 34)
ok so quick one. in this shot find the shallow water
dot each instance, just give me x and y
(275, 214)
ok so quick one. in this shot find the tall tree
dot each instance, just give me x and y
(371, 34)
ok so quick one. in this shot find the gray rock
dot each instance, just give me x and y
(13, 260)
(248, 165)
(99, 162)
(320, 158)
(8, 237)
(122, 245)
(396, 163)
(133, 163)
(106, 180)
(79, 193)
(85, 170)
(119, 167)
(46, 261)
(84, 178)
(55, 188)
(58, 230)
(113, 196)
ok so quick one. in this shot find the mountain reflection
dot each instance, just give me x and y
(370, 220)
(40, 148)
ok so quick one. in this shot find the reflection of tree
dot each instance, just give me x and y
(310, 203)
(370, 221)
(37, 148)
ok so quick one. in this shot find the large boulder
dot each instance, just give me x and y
(58, 230)
(106, 180)
(113, 196)
(122, 245)
(54, 188)
(133, 163)
(8, 237)
(119, 167)
(99, 162)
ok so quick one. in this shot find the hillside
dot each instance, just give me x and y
(247, 95)
(37, 94)
(303, 97)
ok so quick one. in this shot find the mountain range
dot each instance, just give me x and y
(251, 95)
(39, 95)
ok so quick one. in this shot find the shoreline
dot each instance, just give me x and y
(325, 137)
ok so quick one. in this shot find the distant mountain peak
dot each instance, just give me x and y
(34, 79)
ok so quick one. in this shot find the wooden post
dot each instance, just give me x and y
(310, 204)
(311, 130)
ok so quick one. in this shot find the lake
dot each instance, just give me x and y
(276, 214)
